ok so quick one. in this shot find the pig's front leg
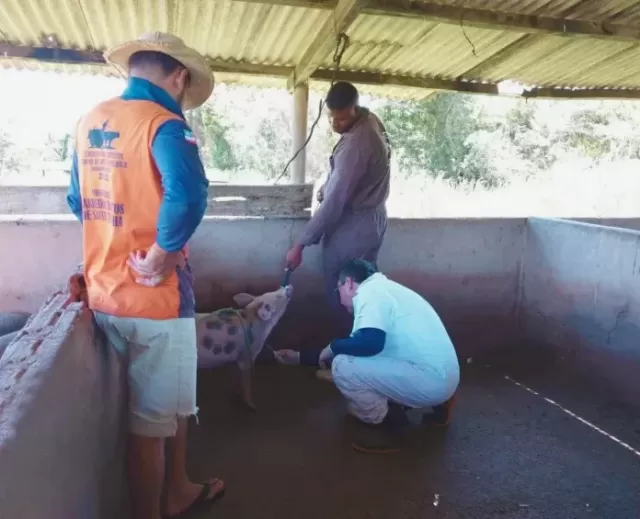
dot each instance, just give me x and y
(245, 379)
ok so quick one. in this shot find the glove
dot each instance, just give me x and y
(325, 358)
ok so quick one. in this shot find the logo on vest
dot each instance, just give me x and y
(102, 137)
(190, 137)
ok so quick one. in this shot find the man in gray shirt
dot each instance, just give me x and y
(351, 219)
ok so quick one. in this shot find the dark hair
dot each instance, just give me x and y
(358, 270)
(342, 95)
(151, 58)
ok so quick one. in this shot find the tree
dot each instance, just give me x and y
(59, 146)
(212, 134)
(529, 135)
(434, 135)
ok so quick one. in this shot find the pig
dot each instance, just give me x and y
(237, 336)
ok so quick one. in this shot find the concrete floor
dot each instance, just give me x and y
(507, 454)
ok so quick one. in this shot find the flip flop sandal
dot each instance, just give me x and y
(200, 503)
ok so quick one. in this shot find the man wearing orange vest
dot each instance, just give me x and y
(139, 188)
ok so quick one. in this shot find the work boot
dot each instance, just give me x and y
(441, 415)
(382, 438)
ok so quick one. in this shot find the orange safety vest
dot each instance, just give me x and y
(121, 194)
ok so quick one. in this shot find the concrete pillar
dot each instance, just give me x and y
(299, 127)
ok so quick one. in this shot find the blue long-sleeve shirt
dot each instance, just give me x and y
(364, 342)
(184, 181)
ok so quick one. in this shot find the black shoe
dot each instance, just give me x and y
(441, 414)
(382, 438)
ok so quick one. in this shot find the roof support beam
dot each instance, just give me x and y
(481, 18)
(468, 87)
(86, 57)
(372, 79)
(299, 133)
(344, 14)
(51, 54)
(78, 57)
(591, 94)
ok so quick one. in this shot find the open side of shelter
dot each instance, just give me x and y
(562, 49)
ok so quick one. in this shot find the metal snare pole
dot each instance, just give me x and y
(285, 282)
(287, 276)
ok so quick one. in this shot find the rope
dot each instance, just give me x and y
(341, 47)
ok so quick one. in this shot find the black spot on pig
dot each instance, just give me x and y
(214, 324)
(207, 342)
(229, 347)
(232, 330)
(217, 349)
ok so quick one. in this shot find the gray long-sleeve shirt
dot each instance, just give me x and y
(358, 180)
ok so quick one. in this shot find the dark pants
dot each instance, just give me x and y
(358, 236)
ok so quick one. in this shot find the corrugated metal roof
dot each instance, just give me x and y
(621, 11)
(278, 35)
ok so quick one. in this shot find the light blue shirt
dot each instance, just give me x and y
(415, 332)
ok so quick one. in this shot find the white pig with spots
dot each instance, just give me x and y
(237, 336)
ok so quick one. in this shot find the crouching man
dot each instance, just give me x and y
(399, 356)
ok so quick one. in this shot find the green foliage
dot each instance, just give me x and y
(59, 146)
(277, 149)
(605, 132)
(466, 140)
(434, 134)
(212, 132)
(529, 137)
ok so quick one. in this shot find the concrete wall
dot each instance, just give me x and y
(224, 199)
(61, 420)
(468, 269)
(62, 390)
(62, 393)
(623, 223)
(581, 297)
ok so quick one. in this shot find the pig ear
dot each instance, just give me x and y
(243, 299)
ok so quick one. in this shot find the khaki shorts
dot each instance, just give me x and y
(162, 365)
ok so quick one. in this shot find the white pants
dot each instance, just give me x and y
(368, 383)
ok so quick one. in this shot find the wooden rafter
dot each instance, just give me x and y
(82, 57)
(372, 79)
(88, 57)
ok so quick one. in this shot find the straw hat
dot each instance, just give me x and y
(201, 84)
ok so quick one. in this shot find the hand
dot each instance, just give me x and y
(320, 194)
(153, 267)
(326, 356)
(288, 357)
(77, 288)
(294, 257)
